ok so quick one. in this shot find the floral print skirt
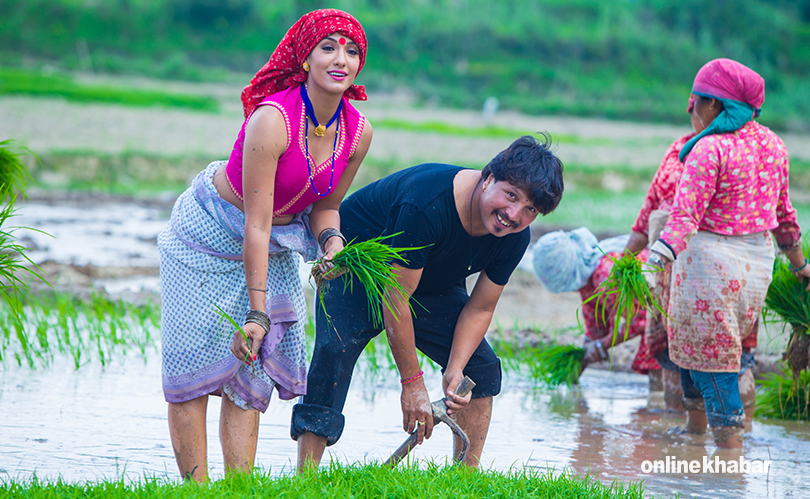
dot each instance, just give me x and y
(717, 291)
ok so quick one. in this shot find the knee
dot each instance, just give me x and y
(319, 420)
(487, 378)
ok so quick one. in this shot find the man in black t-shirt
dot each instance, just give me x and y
(464, 221)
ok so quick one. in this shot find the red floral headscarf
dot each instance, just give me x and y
(284, 70)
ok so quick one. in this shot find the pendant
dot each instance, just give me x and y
(320, 130)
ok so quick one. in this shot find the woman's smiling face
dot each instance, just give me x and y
(505, 208)
(333, 64)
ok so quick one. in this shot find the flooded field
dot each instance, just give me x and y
(104, 422)
(96, 423)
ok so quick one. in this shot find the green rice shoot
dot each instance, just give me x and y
(784, 396)
(558, 365)
(627, 281)
(13, 261)
(13, 170)
(787, 298)
(36, 326)
(370, 263)
(223, 316)
(788, 301)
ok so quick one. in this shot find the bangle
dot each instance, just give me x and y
(260, 318)
(405, 381)
(327, 234)
(798, 268)
(257, 289)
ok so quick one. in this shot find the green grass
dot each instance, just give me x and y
(600, 211)
(587, 57)
(419, 480)
(491, 131)
(40, 84)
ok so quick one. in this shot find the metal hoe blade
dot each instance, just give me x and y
(439, 415)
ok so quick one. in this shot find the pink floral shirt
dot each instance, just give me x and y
(734, 184)
(662, 187)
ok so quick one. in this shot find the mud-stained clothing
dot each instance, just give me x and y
(418, 205)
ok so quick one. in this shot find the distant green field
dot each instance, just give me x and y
(615, 59)
(36, 83)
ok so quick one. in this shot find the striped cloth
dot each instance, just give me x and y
(200, 267)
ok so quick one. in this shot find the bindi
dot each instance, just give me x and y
(342, 41)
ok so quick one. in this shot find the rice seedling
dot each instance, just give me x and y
(418, 479)
(557, 364)
(13, 260)
(370, 263)
(784, 396)
(13, 171)
(544, 361)
(788, 301)
(35, 327)
(633, 294)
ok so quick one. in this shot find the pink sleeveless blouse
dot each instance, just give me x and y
(293, 192)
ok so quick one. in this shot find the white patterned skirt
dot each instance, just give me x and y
(201, 269)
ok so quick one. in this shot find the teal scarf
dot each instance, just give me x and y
(735, 114)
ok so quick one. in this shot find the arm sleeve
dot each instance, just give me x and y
(662, 185)
(788, 233)
(499, 270)
(409, 227)
(652, 200)
(696, 188)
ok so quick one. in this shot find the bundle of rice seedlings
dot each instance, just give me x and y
(370, 263)
(558, 364)
(627, 281)
(13, 171)
(13, 261)
(784, 396)
(788, 300)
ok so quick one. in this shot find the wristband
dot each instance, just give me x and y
(405, 381)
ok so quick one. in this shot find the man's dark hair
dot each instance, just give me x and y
(530, 166)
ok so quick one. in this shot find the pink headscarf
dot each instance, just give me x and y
(727, 79)
(284, 69)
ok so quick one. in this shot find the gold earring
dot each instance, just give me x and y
(305, 66)
(711, 108)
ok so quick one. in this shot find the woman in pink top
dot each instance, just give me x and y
(731, 200)
(230, 246)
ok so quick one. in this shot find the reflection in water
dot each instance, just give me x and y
(108, 422)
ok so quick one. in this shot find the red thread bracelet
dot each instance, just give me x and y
(412, 378)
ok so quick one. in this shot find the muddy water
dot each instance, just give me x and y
(107, 422)
(102, 423)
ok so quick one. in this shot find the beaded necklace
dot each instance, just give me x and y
(322, 130)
